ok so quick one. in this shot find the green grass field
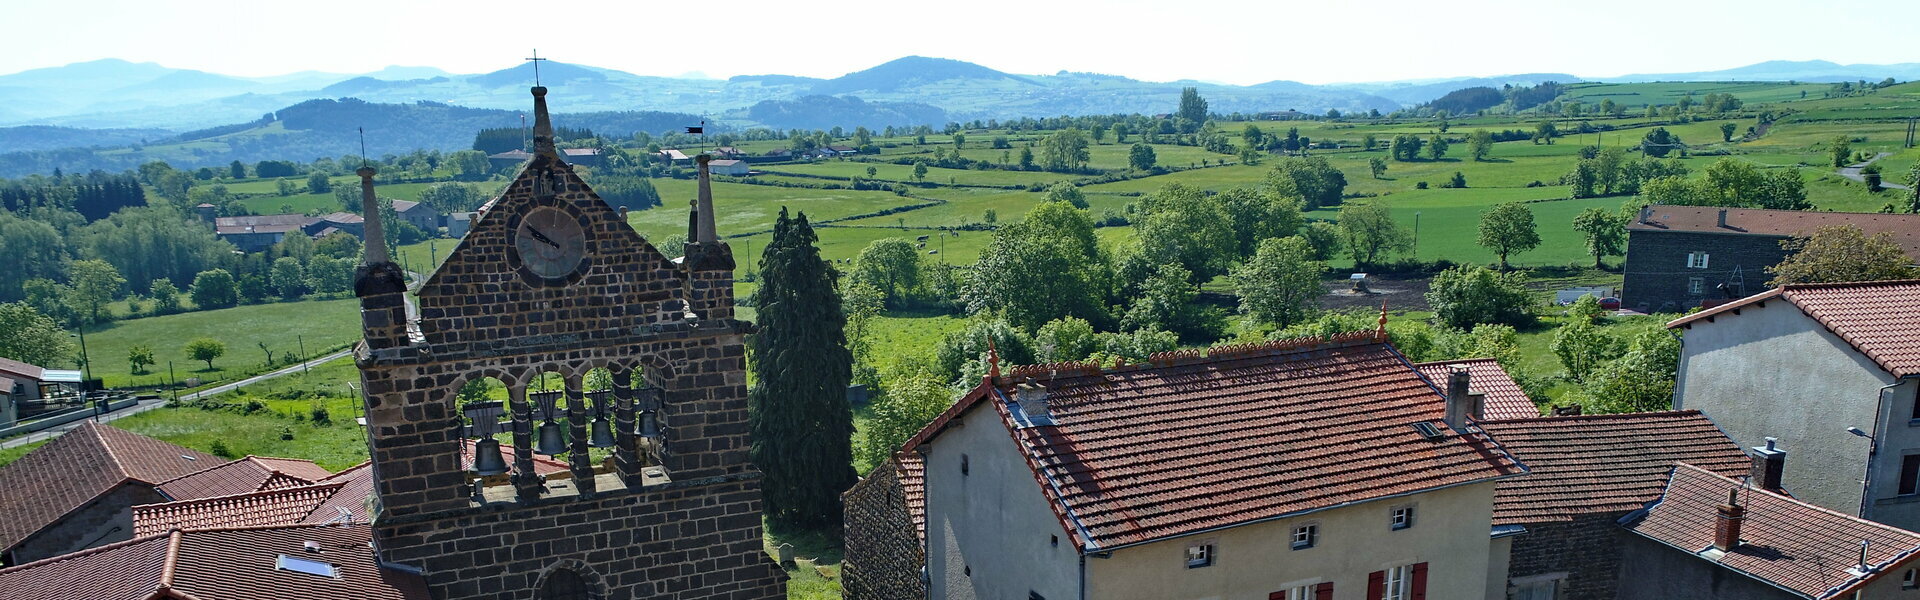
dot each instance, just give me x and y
(322, 325)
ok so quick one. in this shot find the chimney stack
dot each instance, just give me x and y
(1033, 403)
(1723, 218)
(1461, 402)
(1769, 467)
(1646, 214)
(1726, 527)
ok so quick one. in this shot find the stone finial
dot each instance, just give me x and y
(542, 124)
(707, 232)
(374, 232)
(1380, 331)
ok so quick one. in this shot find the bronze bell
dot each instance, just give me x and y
(487, 459)
(553, 440)
(602, 433)
(649, 425)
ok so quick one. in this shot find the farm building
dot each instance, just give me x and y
(1681, 257)
(508, 158)
(255, 233)
(737, 168)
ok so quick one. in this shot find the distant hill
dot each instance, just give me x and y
(912, 71)
(1419, 93)
(827, 112)
(1786, 70)
(1468, 101)
(43, 137)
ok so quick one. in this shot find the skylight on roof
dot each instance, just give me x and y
(308, 566)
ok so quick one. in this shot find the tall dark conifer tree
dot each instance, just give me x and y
(802, 424)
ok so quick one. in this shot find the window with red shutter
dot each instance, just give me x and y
(1323, 591)
(1276, 596)
(1377, 585)
(1419, 581)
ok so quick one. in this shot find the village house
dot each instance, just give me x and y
(340, 221)
(1712, 537)
(509, 158)
(254, 233)
(459, 223)
(1832, 371)
(78, 491)
(418, 214)
(26, 390)
(591, 157)
(311, 562)
(1584, 474)
(1682, 257)
(736, 168)
(1259, 471)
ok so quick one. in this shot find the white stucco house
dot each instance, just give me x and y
(1830, 369)
(1300, 470)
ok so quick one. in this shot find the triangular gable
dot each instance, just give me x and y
(481, 275)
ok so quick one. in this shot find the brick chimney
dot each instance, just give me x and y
(1462, 403)
(1646, 214)
(1769, 466)
(1726, 526)
(1723, 218)
(1033, 403)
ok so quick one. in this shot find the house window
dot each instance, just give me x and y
(1304, 536)
(1696, 260)
(1402, 518)
(1200, 555)
(1908, 580)
(1299, 592)
(1909, 474)
(1696, 285)
(1398, 580)
(1538, 587)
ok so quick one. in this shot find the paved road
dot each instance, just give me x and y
(159, 402)
(1853, 172)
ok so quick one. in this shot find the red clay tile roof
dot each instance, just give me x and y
(1881, 319)
(261, 224)
(1785, 542)
(249, 474)
(43, 486)
(1504, 398)
(270, 507)
(1190, 443)
(1598, 464)
(225, 564)
(912, 471)
(352, 502)
(1905, 229)
(23, 370)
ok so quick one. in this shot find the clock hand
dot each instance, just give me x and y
(542, 237)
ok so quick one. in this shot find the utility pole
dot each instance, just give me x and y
(303, 353)
(1416, 235)
(172, 383)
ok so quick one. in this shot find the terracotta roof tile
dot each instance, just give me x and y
(1504, 398)
(1786, 542)
(1781, 223)
(80, 465)
(23, 370)
(243, 475)
(270, 507)
(1598, 464)
(1193, 442)
(912, 470)
(229, 564)
(1881, 319)
(352, 503)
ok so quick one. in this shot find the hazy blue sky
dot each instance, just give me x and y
(1231, 41)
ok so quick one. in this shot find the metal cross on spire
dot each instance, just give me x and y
(363, 145)
(536, 65)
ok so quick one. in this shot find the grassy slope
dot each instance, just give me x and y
(324, 324)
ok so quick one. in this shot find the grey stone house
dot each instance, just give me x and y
(78, 491)
(1833, 371)
(1681, 256)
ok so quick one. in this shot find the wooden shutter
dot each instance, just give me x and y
(1323, 591)
(1419, 581)
(1280, 595)
(1377, 585)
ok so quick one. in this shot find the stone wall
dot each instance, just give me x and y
(1658, 279)
(884, 554)
(1656, 571)
(108, 519)
(1587, 549)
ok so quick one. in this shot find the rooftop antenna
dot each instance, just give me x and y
(363, 145)
(536, 65)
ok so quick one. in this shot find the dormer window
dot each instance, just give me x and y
(1402, 518)
(1305, 536)
(1200, 555)
(1696, 260)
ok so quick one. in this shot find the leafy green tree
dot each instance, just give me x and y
(1837, 253)
(33, 250)
(1192, 106)
(1587, 309)
(959, 141)
(1370, 234)
(1064, 339)
(1068, 193)
(328, 275)
(339, 244)
(1311, 179)
(919, 170)
(456, 197)
(206, 349)
(1545, 131)
(1377, 165)
(166, 297)
(1726, 131)
(1840, 150)
(1141, 157)
(1169, 301)
(1280, 284)
(1583, 178)
(1186, 227)
(237, 170)
(1405, 148)
(1026, 159)
(1045, 267)
(1257, 216)
(1659, 142)
(145, 243)
(92, 284)
(1480, 144)
(1064, 150)
(1605, 232)
(961, 355)
(798, 414)
(1324, 238)
(1640, 380)
(213, 289)
(892, 266)
(1437, 147)
(470, 164)
(288, 278)
(1913, 189)
(1582, 348)
(906, 404)
(30, 336)
(1465, 296)
(139, 356)
(1508, 229)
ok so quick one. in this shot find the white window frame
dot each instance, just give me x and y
(1555, 584)
(1399, 583)
(1400, 517)
(1698, 260)
(1200, 554)
(1697, 286)
(1302, 592)
(1312, 533)
(1910, 579)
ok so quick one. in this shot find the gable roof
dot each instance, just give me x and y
(1881, 319)
(268, 507)
(1905, 229)
(515, 154)
(1602, 464)
(229, 564)
(261, 224)
(1793, 545)
(403, 206)
(21, 370)
(1503, 397)
(44, 486)
(249, 474)
(1192, 442)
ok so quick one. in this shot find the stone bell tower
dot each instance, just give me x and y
(552, 283)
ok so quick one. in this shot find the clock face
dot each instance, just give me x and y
(550, 243)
